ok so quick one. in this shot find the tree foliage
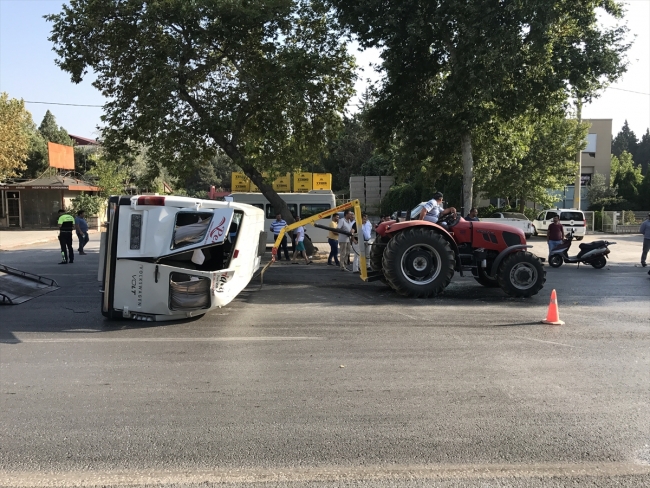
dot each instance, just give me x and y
(93, 205)
(598, 193)
(14, 136)
(544, 160)
(264, 81)
(451, 67)
(642, 155)
(625, 140)
(627, 177)
(53, 133)
(109, 176)
(353, 153)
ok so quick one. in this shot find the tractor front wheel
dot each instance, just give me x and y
(418, 262)
(521, 274)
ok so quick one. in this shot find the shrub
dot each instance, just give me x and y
(91, 204)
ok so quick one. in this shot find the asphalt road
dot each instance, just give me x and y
(318, 379)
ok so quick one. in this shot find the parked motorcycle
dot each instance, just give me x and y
(593, 253)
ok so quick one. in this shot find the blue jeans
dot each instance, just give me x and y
(552, 245)
(334, 251)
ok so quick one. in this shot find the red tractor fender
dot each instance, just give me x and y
(390, 228)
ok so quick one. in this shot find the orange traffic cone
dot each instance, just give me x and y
(553, 314)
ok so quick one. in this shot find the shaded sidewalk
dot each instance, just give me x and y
(13, 239)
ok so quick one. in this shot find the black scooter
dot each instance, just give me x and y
(590, 253)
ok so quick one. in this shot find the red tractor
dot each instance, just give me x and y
(418, 258)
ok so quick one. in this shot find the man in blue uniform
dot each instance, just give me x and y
(66, 221)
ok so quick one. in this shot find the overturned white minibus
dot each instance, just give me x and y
(168, 257)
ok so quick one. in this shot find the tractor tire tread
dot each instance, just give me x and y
(391, 263)
(509, 261)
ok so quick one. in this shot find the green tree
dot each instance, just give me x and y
(625, 140)
(642, 155)
(453, 66)
(263, 81)
(109, 176)
(644, 192)
(353, 153)
(52, 132)
(14, 137)
(37, 160)
(627, 178)
(598, 193)
(545, 160)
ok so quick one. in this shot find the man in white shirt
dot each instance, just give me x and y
(433, 209)
(345, 224)
(300, 245)
(366, 228)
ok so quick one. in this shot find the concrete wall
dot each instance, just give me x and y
(369, 190)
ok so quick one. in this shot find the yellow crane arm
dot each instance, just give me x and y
(323, 215)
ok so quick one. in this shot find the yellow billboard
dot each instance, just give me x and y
(240, 183)
(254, 187)
(282, 183)
(302, 182)
(322, 181)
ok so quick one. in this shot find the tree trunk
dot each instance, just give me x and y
(468, 172)
(256, 177)
(522, 205)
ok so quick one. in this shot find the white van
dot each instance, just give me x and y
(570, 218)
(302, 205)
(167, 257)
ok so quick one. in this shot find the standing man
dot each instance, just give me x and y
(433, 210)
(366, 229)
(300, 245)
(333, 241)
(66, 222)
(645, 230)
(554, 234)
(345, 224)
(81, 226)
(276, 226)
(472, 216)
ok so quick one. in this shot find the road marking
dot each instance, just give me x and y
(156, 339)
(546, 342)
(325, 474)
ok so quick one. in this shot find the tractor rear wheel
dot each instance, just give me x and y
(418, 262)
(521, 274)
(377, 255)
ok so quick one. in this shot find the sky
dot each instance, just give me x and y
(28, 71)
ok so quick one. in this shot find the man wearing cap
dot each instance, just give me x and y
(645, 230)
(433, 210)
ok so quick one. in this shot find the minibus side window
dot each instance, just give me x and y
(309, 209)
(271, 213)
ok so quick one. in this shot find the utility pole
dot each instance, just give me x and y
(578, 182)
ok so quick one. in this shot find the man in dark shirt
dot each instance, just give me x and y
(554, 234)
(472, 216)
(66, 221)
(81, 227)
